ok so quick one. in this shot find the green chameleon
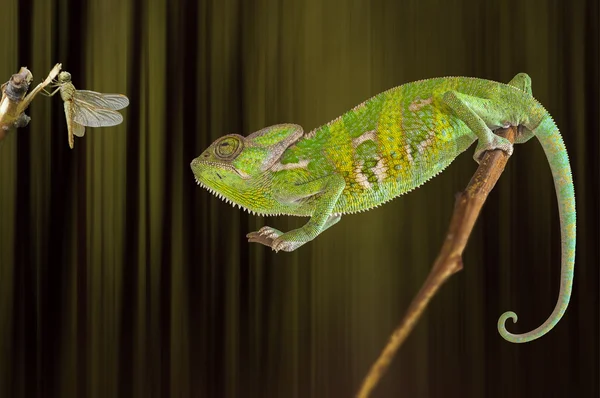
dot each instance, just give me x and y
(385, 147)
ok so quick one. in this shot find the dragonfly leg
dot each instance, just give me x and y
(47, 94)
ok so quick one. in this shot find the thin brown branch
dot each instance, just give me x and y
(14, 102)
(449, 261)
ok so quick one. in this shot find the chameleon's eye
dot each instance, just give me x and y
(228, 147)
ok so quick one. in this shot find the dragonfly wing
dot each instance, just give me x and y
(87, 114)
(101, 100)
(78, 129)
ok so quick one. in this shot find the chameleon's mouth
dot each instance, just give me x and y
(231, 202)
(198, 162)
(222, 197)
(217, 194)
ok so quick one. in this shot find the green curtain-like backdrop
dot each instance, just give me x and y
(119, 277)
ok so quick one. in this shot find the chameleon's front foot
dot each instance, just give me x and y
(275, 239)
(496, 142)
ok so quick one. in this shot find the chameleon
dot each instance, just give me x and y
(387, 146)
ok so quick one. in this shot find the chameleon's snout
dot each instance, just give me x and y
(195, 163)
(195, 166)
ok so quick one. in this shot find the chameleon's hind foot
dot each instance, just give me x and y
(496, 142)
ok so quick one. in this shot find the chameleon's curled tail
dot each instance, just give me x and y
(554, 147)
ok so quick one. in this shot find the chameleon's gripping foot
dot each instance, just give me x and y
(496, 142)
(265, 236)
(276, 240)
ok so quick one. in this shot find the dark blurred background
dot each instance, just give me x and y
(119, 277)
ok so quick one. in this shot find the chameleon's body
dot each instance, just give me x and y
(384, 147)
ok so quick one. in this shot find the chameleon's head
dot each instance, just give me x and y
(236, 168)
(221, 165)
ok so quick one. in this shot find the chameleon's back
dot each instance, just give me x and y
(389, 144)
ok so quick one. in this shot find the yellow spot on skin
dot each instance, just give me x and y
(341, 154)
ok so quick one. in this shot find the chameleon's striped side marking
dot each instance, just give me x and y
(342, 155)
(419, 103)
(300, 164)
(426, 145)
(392, 136)
(367, 135)
(554, 147)
(360, 177)
(357, 129)
(380, 170)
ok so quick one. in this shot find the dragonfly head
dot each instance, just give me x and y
(64, 77)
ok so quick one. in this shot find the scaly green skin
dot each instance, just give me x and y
(384, 147)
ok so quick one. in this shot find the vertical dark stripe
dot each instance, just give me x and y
(25, 270)
(586, 294)
(197, 22)
(199, 283)
(148, 347)
(71, 176)
(173, 86)
(243, 376)
(129, 303)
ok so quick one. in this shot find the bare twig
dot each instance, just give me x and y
(14, 102)
(13, 91)
(449, 261)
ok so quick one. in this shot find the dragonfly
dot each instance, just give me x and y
(87, 108)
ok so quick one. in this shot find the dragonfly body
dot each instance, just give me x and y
(88, 108)
(67, 89)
